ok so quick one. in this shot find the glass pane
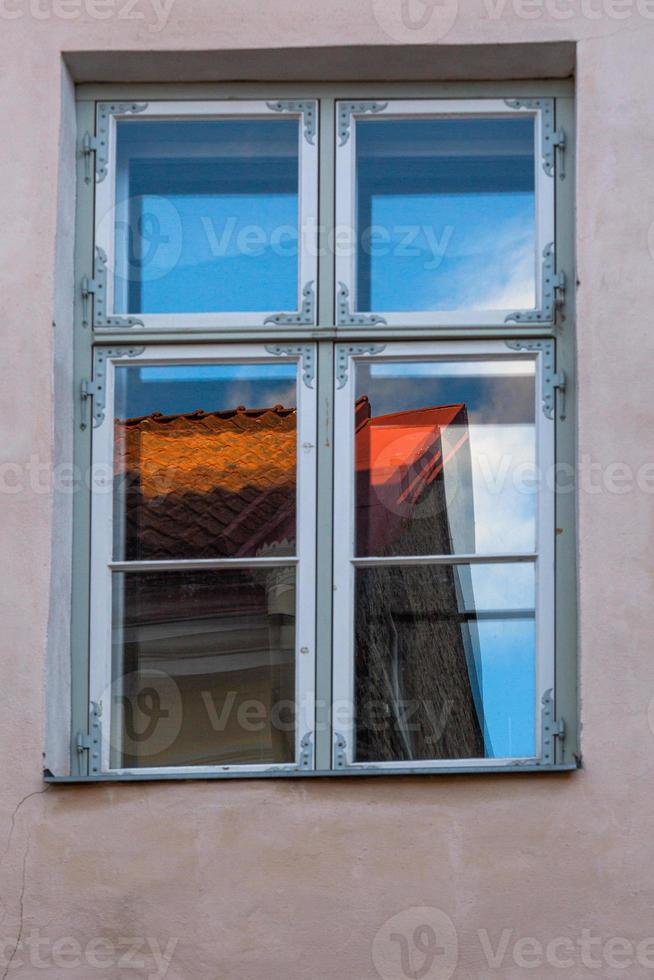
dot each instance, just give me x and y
(445, 214)
(445, 457)
(203, 668)
(445, 662)
(207, 216)
(205, 461)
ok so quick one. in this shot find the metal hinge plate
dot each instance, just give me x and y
(306, 752)
(92, 742)
(90, 145)
(551, 730)
(558, 141)
(340, 746)
(88, 389)
(559, 382)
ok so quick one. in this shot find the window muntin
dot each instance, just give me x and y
(207, 215)
(170, 623)
(450, 212)
(458, 600)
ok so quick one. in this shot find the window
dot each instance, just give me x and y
(206, 213)
(322, 351)
(202, 584)
(443, 633)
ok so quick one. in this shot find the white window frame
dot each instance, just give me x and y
(307, 209)
(103, 566)
(346, 217)
(345, 562)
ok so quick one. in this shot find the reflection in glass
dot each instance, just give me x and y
(203, 668)
(445, 214)
(206, 215)
(205, 461)
(445, 662)
(445, 457)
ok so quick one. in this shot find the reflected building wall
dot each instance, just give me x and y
(418, 664)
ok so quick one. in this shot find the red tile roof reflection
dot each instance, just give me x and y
(208, 484)
(223, 483)
(398, 457)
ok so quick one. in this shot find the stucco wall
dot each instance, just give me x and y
(295, 880)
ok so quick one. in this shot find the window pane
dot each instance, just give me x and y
(445, 662)
(207, 216)
(205, 461)
(445, 457)
(203, 668)
(445, 214)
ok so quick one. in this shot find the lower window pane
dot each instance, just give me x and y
(445, 662)
(203, 668)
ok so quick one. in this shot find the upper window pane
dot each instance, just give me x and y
(445, 214)
(206, 215)
(205, 461)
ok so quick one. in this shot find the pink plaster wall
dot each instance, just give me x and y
(293, 881)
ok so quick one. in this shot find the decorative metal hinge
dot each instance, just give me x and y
(306, 752)
(558, 142)
(97, 288)
(88, 389)
(559, 382)
(347, 109)
(340, 745)
(304, 351)
(553, 293)
(96, 389)
(345, 351)
(89, 288)
(344, 316)
(552, 142)
(308, 111)
(90, 145)
(306, 315)
(552, 380)
(104, 111)
(551, 730)
(92, 743)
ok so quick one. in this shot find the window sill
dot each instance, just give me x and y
(454, 770)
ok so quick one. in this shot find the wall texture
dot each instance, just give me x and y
(297, 881)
